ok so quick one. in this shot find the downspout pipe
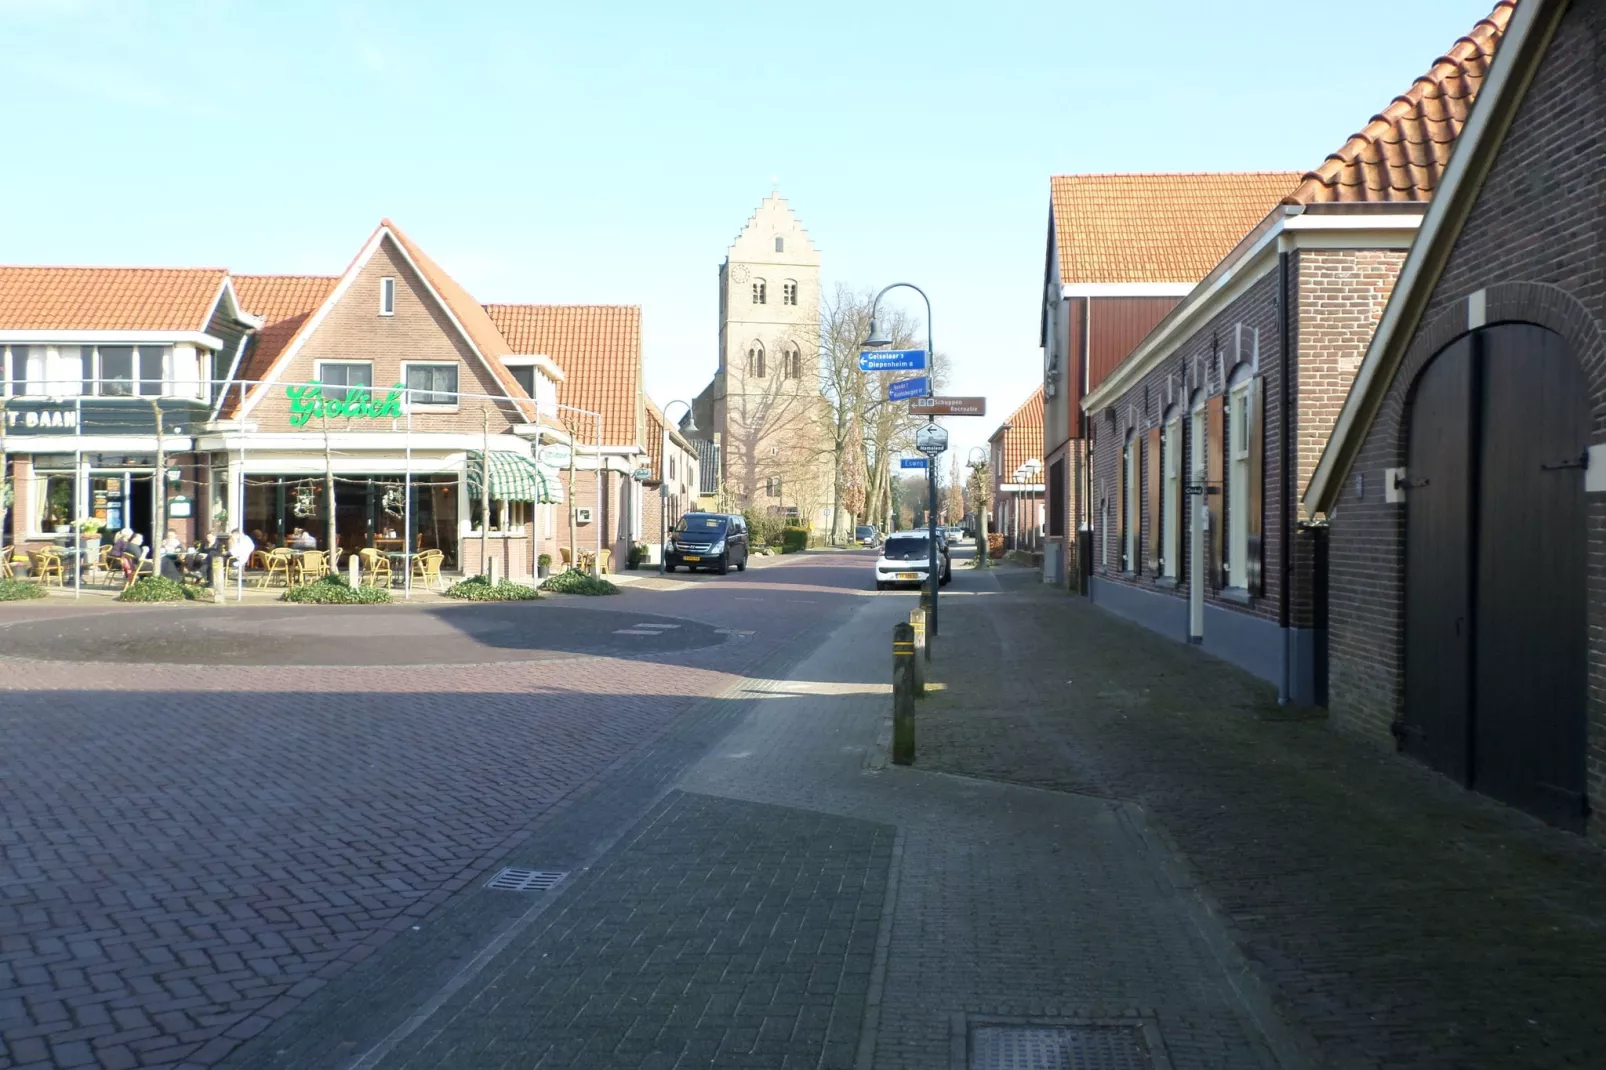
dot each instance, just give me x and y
(1286, 504)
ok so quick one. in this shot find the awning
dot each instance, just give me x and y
(514, 478)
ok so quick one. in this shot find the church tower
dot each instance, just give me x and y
(765, 399)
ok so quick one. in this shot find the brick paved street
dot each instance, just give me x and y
(1400, 920)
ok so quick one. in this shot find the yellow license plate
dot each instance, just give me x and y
(908, 575)
(692, 557)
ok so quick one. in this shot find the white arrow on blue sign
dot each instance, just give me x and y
(892, 360)
(908, 388)
(913, 462)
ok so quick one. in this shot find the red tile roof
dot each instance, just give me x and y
(1157, 227)
(284, 302)
(1401, 154)
(599, 349)
(1023, 438)
(107, 299)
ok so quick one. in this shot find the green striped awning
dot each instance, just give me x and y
(514, 478)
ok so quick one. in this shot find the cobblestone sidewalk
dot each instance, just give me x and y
(1398, 920)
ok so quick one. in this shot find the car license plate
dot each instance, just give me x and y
(692, 557)
(908, 575)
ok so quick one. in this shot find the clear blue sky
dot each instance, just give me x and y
(573, 152)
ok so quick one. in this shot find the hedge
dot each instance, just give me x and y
(480, 589)
(332, 590)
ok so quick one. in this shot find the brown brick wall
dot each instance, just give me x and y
(1193, 365)
(419, 330)
(1533, 241)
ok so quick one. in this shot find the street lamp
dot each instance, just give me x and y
(663, 481)
(880, 339)
(977, 462)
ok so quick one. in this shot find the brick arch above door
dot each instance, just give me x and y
(1538, 303)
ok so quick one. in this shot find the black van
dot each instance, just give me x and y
(708, 540)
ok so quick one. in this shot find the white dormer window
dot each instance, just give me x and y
(780, 245)
(387, 296)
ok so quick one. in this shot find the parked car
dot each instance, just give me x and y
(866, 535)
(906, 558)
(715, 541)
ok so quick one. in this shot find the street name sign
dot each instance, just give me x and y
(948, 407)
(908, 388)
(892, 360)
(931, 439)
(914, 462)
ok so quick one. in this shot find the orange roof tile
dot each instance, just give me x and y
(599, 349)
(1023, 437)
(1157, 227)
(1401, 154)
(107, 299)
(284, 302)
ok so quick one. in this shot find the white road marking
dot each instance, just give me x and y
(656, 627)
(633, 631)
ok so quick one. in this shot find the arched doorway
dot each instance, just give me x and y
(1495, 611)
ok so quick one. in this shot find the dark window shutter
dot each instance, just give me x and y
(1152, 496)
(1255, 498)
(1215, 456)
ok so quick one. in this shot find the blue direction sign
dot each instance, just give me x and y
(892, 360)
(908, 388)
(912, 462)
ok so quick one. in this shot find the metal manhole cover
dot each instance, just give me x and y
(1080, 1047)
(513, 879)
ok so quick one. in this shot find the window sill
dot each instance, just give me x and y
(1238, 595)
(1166, 581)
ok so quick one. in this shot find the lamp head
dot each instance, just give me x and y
(878, 337)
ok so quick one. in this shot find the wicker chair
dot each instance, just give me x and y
(311, 565)
(276, 563)
(375, 566)
(47, 564)
(427, 567)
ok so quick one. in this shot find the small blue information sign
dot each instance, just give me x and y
(913, 462)
(908, 388)
(892, 360)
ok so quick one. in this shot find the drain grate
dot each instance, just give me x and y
(514, 879)
(1079, 1047)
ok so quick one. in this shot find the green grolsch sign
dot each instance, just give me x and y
(308, 401)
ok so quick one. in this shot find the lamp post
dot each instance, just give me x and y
(977, 462)
(663, 481)
(880, 339)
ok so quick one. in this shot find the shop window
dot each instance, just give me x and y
(346, 374)
(431, 384)
(57, 502)
(1238, 485)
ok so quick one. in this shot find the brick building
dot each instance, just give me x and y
(1019, 495)
(383, 407)
(1465, 483)
(1206, 434)
(1122, 251)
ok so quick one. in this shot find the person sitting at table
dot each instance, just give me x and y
(167, 564)
(301, 539)
(212, 546)
(241, 547)
(121, 556)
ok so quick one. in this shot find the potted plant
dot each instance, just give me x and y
(543, 565)
(89, 529)
(638, 554)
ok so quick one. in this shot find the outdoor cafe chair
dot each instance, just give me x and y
(47, 563)
(427, 567)
(311, 565)
(146, 566)
(602, 558)
(568, 561)
(276, 563)
(374, 565)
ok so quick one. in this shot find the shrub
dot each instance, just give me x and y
(638, 554)
(156, 589)
(995, 545)
(544, 561)
(762, 529)
(332, 590)
(19, 590)
(576, 582)
(480, 589)
(794, 539)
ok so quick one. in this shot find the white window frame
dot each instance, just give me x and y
(1238, 483)
(387, 295)
(789, 292)
(1170, 525)
(317, 369)
(426, 406)
(1134, 508)
(761, 292)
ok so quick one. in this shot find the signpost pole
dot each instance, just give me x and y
(407, 501)
(934, 576)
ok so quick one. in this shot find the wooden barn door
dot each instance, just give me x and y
(1531, 662)
(1495, 612)
(1434, 726)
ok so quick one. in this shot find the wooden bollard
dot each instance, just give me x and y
(217, 579)
(903, 694)
(917, 621)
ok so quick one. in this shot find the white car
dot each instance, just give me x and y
(906, 558)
